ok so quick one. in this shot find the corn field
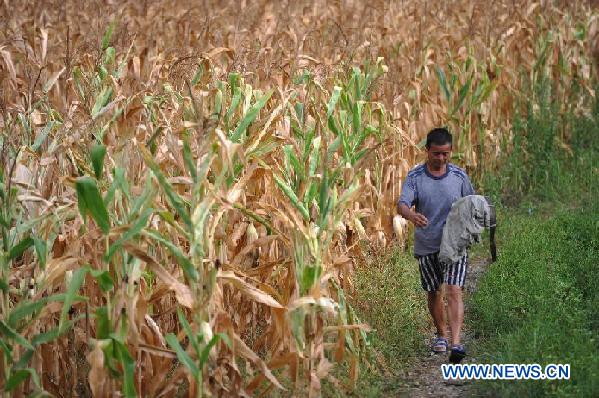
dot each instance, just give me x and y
(186, 187)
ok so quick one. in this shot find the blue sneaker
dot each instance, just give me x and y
(439, 345)
(457, 354)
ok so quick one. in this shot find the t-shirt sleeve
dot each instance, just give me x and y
(409, 194)
(467, 188)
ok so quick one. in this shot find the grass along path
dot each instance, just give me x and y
(390, 299)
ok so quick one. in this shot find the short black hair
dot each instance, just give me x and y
(438, 136)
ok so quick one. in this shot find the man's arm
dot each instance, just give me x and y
(417, 219)
(409, 195)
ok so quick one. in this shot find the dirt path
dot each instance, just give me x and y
(424, 379)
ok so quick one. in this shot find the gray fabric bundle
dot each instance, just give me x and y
(467, 219)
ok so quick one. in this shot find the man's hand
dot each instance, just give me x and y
(418, 219)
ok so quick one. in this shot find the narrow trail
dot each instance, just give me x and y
(424, 379)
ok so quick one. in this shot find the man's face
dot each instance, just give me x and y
(438, 155)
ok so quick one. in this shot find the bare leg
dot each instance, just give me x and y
(455, 312)
(437, 309)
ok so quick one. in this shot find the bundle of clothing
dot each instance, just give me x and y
(467, 219)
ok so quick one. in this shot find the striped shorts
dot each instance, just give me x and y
(433, 273)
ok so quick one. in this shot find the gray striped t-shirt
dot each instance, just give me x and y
(433, 197)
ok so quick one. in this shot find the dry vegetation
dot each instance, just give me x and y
(186, 186)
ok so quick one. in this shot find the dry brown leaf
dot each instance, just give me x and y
(247, 289)
(242, 349)
(182, 292)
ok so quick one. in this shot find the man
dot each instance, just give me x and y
(432, 188)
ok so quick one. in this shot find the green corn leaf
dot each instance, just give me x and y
(324, 212)
(151, 143)
(542, 57)
(299, 112)
(198, 75)
(77, 76)
(10, 333)
(213, 341)
(103, 323)
(360, 139)
(101, 101)
(188, 159)
(7, 350)
(256, 217)
(454, 79)
(40, 249)
(234, 79)
(43, 135)
(119, 181)
(183, 356)
(102, 72)
(235, 101)
(311, 193)
(25, 123)
(108, 35)
(310, 275)
(292, 196)
(124, 357)
(19, 249)
(71, 294)
(357, 117)
(3, 286)
(475, 97)
(347, 153)
(314, 156)
(462, 95)
(19, 376)
(145, 198)
(27, 308)
(97, 154)
(129, 234)
(218, 105)
(119, 175)
(443, 83)
(181, 258)
(175, 200)
(293, 161)
(109, 56)
(359, 155)
(488, 89)
(333, 147)
(90, 201)
(108, 198)
(248, 94)
(332, 124)
(309, 137)
(23, 360)
(333, 101)
(187, 328)
(46, 337)
(55, 333)
(104, 279)
(250, 116)
(323, 196)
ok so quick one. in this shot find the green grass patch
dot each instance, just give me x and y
(538, 303)
(389, 298)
